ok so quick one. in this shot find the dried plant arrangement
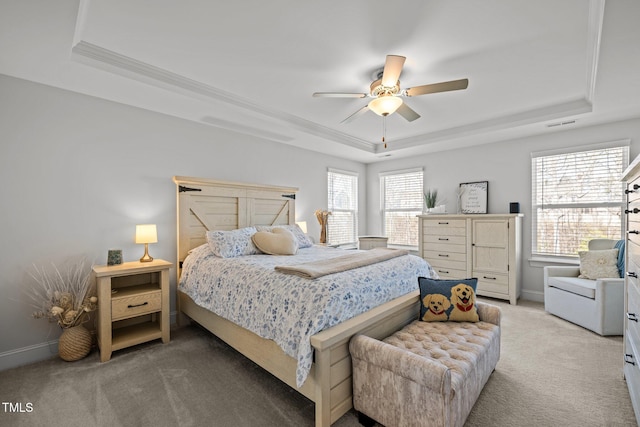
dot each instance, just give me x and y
(323, 219)
(65, 296)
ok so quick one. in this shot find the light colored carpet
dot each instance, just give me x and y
(551, 373)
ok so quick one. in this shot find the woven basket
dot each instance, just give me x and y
(74, 343)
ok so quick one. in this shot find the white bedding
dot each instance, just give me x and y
(290, 309)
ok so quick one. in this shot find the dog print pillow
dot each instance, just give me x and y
(448, 300)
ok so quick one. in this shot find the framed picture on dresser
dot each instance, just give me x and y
(473, 197)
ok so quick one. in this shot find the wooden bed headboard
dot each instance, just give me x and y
(207, 204)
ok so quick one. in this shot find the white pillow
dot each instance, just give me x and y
(303, 240)
(599, 264)
(278, 241)
(233, 243)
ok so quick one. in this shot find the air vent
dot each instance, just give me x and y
(556, 124)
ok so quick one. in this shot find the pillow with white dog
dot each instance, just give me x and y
(451, 299)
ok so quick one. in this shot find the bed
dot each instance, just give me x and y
(316, 363)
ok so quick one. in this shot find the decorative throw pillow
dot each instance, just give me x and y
(599, 264)
(233, 243)
(278, 241)
(303, 240)
(442, 300)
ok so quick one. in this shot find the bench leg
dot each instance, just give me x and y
(365, 420)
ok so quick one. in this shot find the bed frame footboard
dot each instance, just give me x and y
(329, 382)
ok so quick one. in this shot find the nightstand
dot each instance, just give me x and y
(133, 304)
(370, 242)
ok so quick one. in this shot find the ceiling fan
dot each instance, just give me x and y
(387, 94)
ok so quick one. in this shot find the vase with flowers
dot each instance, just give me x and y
(66, 296)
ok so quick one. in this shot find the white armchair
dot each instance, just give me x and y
(597, 305)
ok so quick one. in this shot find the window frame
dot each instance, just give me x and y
(383, 176)
(535, 156)
(331, 207)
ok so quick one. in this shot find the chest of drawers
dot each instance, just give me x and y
(487, 247)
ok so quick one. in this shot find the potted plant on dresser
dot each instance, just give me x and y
(431, 202)
(66, 296)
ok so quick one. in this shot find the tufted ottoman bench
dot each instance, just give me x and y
(428, 373)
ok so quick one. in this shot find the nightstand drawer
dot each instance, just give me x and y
(136, 305)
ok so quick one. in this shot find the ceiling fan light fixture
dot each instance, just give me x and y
(385, 105)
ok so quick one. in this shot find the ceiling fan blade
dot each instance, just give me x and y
(338, 95)
(356, 114)
(392, 69)
(407, 112)
(438, 87)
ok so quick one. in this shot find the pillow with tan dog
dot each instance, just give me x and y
(278, 241)
(443, 300)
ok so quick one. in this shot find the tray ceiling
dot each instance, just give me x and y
(251, 66)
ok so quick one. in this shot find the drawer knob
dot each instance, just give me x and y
(634, 210)
(489, 278)
(442, 238)
(443, 223)
(137, 305)
(443, 271)
(443, 255)
(628, 358)
(632, 317)
(632, 274)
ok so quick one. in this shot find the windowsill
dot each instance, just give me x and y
(543, 261)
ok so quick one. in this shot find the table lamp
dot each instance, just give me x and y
(146, 233)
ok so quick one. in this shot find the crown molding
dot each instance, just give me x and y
(594, 37)
(535, 115)
(108, 60)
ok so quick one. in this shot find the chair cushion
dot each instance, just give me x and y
(576, 285)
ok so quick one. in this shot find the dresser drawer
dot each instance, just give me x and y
(136, 305)
(450, 273)
(633, 188)
(632, 371)
(445, 256)
(491, 282)
(447, 263)
(441, 238)
(633, 312)
(445, 223)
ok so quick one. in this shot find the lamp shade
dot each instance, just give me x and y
(385, 105)
(303, 226)
(146, 233)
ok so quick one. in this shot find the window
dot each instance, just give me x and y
(402, 199)
(577, 196)
(343, 204)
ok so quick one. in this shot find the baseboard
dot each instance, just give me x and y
(39, 352)
(536, 296)
(26, 355)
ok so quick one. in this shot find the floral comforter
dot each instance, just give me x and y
(290, 309)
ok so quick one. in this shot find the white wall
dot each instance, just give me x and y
(507, 167)
(79, 172)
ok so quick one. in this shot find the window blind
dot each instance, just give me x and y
(402, 200)
(577, 196)
(343, 204)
